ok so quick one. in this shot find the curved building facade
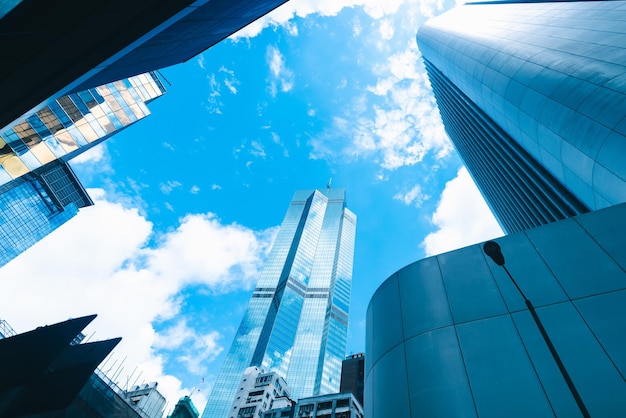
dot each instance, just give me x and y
(450, 335)
(546, 77)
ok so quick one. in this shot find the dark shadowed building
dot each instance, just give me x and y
(353, 375)
(52, 48)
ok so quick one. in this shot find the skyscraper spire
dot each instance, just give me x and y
(297, 321)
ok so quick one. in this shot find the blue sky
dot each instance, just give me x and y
(189, 199)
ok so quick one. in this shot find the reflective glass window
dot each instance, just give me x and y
(66, 140)
(14, 166)
(50, 120)
(70, 108)
(42, 152)
(86, 130)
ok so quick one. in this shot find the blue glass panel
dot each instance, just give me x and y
(60, 114)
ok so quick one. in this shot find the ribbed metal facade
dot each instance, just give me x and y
(521, 193)
(547, 78)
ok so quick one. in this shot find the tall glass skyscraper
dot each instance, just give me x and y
(532, 95)
(36, 204)
(297, 321)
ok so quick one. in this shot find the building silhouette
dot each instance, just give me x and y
(353, 375)
(531, 94)
(297, 320)
(43, 370)
(51, 372)
(104, 41)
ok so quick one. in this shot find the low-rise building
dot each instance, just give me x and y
(257, 393)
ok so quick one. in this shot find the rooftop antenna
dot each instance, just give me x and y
(330, 180)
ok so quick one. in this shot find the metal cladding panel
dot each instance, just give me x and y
(463, 343)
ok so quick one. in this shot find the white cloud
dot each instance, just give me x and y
(166, 188)
(214, 104)
(396, 122)
(192, 349)
(230, 85)
(412, 197)
(357, 27)
(99, 262)
(216, 187)
(194, 189)
(223, 69)
(257, 149)
(386, 29)
(282, 15)
(200, 61)
(462, 217)
(92, 155)
(280, 76)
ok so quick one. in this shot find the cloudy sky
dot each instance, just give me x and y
(188, 200)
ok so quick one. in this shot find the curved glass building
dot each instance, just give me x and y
(297, 321)
(451, 336)
(532, 95)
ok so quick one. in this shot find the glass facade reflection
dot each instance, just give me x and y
(450, 336)
(74, 123)
(38, 190)
(36, 204)
(532, 95)
(297, 321)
